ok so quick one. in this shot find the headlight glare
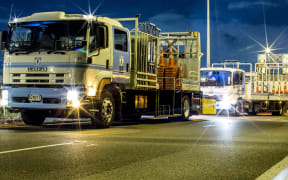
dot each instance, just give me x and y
(72, 95)
(4, 99)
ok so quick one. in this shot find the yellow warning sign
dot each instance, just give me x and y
(208, 106)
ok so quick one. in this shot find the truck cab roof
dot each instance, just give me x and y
(221, 69)
(62, 16)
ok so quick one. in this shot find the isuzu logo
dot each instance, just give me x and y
(36, 68)
(37, 60)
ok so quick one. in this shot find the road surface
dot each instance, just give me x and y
(206, 147)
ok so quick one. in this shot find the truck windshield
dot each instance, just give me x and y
(47, 35)
(215, 78)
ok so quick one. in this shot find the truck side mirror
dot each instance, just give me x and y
(100, 37)
(3, 39)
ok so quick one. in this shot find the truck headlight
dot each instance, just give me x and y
(227, 102)
(4, 99)
(72, 95)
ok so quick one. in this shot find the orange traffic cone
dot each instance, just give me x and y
(171, 61)
(280, 88)
(273, 88)
(258, 88)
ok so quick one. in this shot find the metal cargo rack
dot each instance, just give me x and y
(144, 56)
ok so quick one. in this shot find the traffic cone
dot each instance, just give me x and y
(280, 88)
(258, 87)
(170, 72)
(273, 88)
(171, 60)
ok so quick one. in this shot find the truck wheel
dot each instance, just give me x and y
(252, 108)
(186, 110)
(35, 118)
(107, 112)
(276, 113)
(237, 110)
(281, 112)
(285, 108)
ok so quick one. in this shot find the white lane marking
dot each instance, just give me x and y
(282, 175)
(276, 172)
(245, 118)
(40, 147)
(209, 126)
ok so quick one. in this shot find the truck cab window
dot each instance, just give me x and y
(47, 35)
(120, 40)
(98, 37)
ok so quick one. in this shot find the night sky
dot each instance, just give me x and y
(233, 23)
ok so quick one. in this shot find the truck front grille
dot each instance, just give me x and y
(38, 78)
(37, 75)
(51, 101)
(44, 101)
(20, 100)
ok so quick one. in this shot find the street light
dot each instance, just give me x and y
(208, 34)
(268, 50)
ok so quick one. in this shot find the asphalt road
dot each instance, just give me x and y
(218, 148)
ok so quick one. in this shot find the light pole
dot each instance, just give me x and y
(208, 34)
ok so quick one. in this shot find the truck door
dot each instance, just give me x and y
(121, 55)
(99, 52)
(239, 81)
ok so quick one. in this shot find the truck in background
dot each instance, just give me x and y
(225, 83)
(269, 85)
(261, 90)
(59, 65)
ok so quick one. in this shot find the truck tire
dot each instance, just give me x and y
(285, 108)
(281, 112)
(252, 108)
(276, 113)
(237, 110)
(107, 111)
(186, 108)
(35, 118)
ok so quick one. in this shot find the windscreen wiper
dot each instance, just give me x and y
(56, 52)
(23, 52)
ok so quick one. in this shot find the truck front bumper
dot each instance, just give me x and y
(51, 98)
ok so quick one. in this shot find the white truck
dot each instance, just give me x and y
(261, 90)
(226, 85)
(62, 65)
